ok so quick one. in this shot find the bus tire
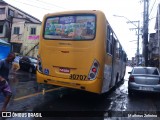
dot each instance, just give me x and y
(116, 83)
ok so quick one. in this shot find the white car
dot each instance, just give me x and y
(144, 79)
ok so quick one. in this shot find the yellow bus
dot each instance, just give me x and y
(79, 50)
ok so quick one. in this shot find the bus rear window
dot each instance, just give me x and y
(70, 27)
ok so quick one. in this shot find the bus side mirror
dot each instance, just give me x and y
(129, 72)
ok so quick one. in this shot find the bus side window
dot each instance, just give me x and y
(109, 41)
(107, 38)
(117, 50)
(120, 52)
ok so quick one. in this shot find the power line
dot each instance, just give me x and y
(47, 4)
(32, 5)
(51, 4)
(152, 7)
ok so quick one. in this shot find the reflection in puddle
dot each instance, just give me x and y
(23, 84)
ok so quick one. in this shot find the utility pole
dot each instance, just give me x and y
(157, 27)
(136, 27)
(145, 31)
(138, 34)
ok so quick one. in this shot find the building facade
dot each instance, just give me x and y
(18, 28)
(154, 43)
(31, 39)
(25, 37)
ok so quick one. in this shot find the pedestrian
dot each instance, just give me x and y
(5, 89)
(5, 66)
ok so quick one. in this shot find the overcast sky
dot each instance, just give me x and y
(130, 9)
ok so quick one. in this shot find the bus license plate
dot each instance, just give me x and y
(64, 70)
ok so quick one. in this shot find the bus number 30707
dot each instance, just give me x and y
(77, 77)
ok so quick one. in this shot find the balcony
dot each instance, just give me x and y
(16, 38)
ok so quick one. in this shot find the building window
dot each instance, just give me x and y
(33, 31)
(1, 29)
(16, 30)
(2, 10)
(11, 13)
(17, 47)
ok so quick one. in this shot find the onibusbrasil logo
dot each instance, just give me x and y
(21, 114)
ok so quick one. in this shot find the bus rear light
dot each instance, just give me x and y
(40, 69)
(92, 75)
(93, 70)
(39, 66)
(96, 64)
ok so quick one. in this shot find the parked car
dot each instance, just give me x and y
(144, 79)
(28, 64)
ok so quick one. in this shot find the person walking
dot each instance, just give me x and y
(5, 66)
(4, 73)
(6, 90)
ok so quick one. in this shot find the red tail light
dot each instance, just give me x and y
(39, 66)
(94, 70)
(131, 79)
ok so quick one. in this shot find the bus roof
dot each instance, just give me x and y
(73, 12)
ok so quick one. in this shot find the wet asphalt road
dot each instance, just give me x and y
(68, 104)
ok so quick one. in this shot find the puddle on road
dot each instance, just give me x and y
(23, 84)
(120, 95)
(119, 98)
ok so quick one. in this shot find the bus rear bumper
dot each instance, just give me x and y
(90, 86)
